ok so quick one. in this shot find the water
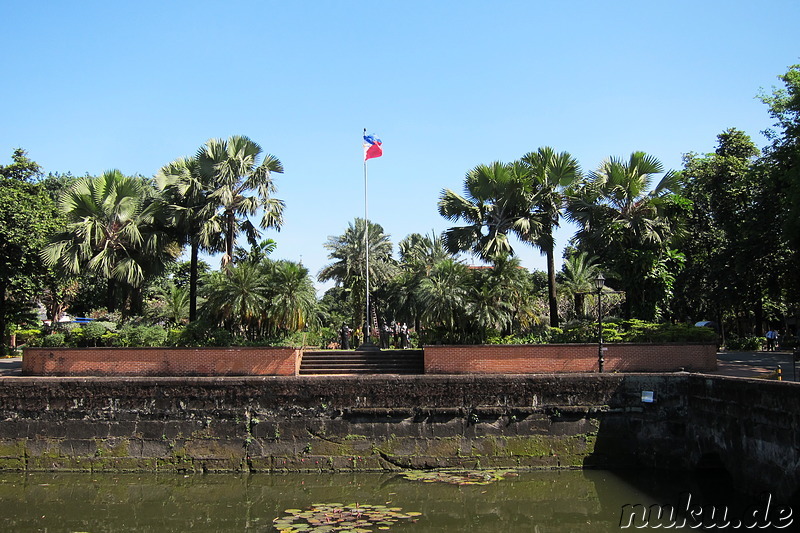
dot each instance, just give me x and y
(541, 502)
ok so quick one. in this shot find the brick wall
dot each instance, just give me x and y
(240, 361)
(554, 358)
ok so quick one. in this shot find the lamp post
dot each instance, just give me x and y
(599, 282)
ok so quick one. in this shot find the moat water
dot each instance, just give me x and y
(546, 501)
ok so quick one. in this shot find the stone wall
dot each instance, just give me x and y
(547, 358)
(274, 424)
(235, 361)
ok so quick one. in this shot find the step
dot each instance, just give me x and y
(362, 362)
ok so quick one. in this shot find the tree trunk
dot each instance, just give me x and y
(111, 303)
(193, 282)
(229, 234)
(551, 286)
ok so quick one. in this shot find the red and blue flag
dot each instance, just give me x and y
(372, 147)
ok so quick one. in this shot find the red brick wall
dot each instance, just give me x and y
(550, 358)
(250, 361)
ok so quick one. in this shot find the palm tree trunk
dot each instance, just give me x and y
(193, 281)
(230, 224)
(551, 286)
(111, 304)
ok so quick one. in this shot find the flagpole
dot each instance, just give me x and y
(366, 241)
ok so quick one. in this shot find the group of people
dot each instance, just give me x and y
(393, 335)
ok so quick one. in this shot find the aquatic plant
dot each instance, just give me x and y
(330, 517)
(459, 477)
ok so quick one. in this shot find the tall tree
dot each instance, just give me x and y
(240, 186)
(186, 189)
(734, 250)
(27, 217)
(349, 266)
(418, 256)
(630, 228)
(552, 174)
(496, 201)
(114, 228)
(782, 161)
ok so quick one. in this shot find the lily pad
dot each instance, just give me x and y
(334, 517)
(459, 477)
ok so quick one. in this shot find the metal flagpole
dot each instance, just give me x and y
(366, 242)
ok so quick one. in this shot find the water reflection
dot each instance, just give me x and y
(547, 501)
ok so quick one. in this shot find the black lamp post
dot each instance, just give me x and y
(599, 282)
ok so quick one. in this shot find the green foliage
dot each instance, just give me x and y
(140, 336)
(203, 333)
(53, 340)
(27, 217)
(614, 331)
(24, 336)
(747, 343)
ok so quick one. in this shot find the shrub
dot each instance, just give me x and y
(203, 333)
(25, 336)
(90, 334)
(53, 340)
(749, 343)
(141, 336)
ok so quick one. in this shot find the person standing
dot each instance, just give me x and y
(404, 336)
(772, 340)
(344, 337)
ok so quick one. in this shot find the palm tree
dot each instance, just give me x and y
(552, 174)
(114, 228)
(240, 185)
(496, 202)
(238, 298)
(445, 297)
(578, 274)
(418, 255)
(349, 266)
(629, 226)
(186, 189)
(293, 301)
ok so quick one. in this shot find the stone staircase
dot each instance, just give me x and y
(366, 362)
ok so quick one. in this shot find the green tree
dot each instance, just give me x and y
(262, 300)
(418, 255)
(782, 167)
(496, 201)
(630, 228)
(348, 269)
(114, 228)
(734, 247)
(445, 297)
(27, 217)
(237, 299)
(241, 185)
(552, 174)
(293, 299)
(578, 275)
(186, 190)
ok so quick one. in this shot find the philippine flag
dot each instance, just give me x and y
(372, 146)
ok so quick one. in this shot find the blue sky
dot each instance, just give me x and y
(90, 86)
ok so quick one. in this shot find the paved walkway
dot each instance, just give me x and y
(736, 364)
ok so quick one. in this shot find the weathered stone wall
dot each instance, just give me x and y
(539, 358)
(384, 423)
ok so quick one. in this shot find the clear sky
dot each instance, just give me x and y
(94, 85)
